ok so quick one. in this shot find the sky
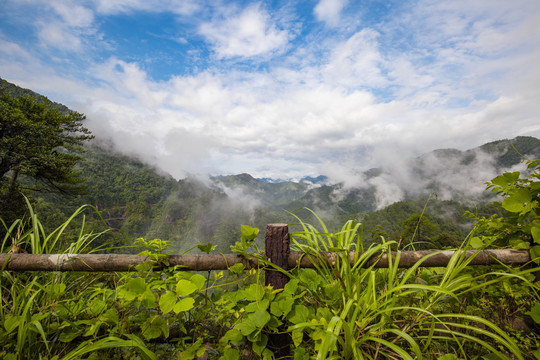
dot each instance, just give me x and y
(281, 89)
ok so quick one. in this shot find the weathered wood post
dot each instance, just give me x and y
(276, 244)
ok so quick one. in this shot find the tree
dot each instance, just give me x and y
(420, 230)
(39, 148)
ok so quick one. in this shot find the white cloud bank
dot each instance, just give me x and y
(275, 103)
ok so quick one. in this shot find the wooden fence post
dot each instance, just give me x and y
(276, 244)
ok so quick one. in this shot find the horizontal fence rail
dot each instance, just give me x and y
(127, 262)
(277, 251)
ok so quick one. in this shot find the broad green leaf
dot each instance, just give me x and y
(505, 179)
(257, 305)
(55, 290)
(535, 253)
(297, 337)
(185, 287)
(206, 248)
(518, 244)
(136, 286)
(259, 318)
(281, 305)
(231, 354)
(232, 335)
(249, 233)
(535, 313)
(245, 327)
(110, 317)
(517, 201)
(535, 232)
(96, 307)
(255, 292)
(237, 268)
(152, 327)
(184, 304)
(300, 314)
(11, 323)
(198, 280)
(260, 345)
(167, 302)
(476, 243)
(149, 299)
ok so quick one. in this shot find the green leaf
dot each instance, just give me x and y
(152, 327)
(11, 323)
(281, 305)
(535, 232)
(149, 299)
(96, 307)
(476, 243)
(185, 287)
(253, 323)
(300, 314)
(184, 304)
(136, 286)
(249, 233)
(198, 280)
(255, 292)
(167, 302)
(231, 354)
(297, 337)
(535, 253)
(519, 244)
(300, 354)
(535, 313)
(237, 268)
(260, 345)
(232, 335)
(257, 305)
(206, 248)
(517, 201)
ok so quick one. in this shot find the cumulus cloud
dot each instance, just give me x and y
(276, 102)
(329, 11)
(180, 7)
(249, 33)
(67, 26)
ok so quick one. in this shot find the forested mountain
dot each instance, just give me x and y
(140, 201)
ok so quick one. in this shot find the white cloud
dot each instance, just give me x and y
(180, 7)
(59, 36)
(249, 33)
(329, 11)
(73, 15)
(357, 62)
(403, 89)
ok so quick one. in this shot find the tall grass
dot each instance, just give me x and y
(51, 315)
(392, 313)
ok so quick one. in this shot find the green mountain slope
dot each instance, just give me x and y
(139, 201)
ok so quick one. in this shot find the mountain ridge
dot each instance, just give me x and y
(140, 201)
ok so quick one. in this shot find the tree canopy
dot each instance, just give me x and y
(39, 147)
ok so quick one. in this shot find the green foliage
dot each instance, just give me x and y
(58, 315)
(519, 225)
(39, 147)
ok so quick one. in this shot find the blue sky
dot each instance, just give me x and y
(282, 88)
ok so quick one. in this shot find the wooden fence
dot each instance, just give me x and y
(277, 250)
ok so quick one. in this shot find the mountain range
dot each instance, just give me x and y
(140, 201)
